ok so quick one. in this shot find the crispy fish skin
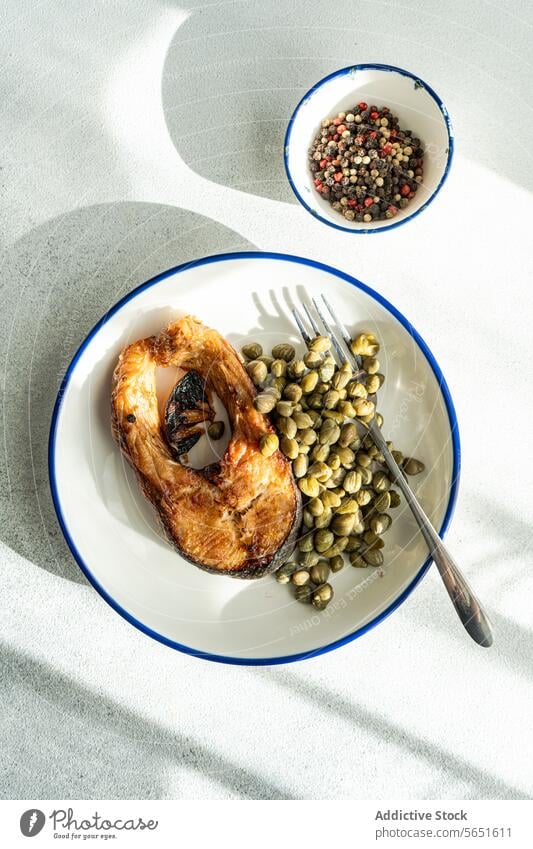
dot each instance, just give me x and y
(239, 518)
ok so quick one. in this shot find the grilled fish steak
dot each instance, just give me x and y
(238, 517)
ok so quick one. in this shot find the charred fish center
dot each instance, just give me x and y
(188, 407)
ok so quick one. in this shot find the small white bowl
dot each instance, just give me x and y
(418, 109)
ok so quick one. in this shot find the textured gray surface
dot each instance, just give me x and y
(136, 136)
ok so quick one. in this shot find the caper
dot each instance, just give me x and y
(395, 498)
(412, 466)
(347, 409)
(356, 444)
(363, 407)
(308, 559)
(338, 477)
(264, 402)
(346, 455)
(278, 368)
(303, 420)
(320, 452)
(323, 539)
(320, 573)
(348, 434)
(292, 392)
(306, 543)
(370, 365)
(366, 475)
(322, 596)
(287, 426)
(315, 417)
(252, 350)
(330, 499)
(372, 384)
(336, 563)
(380, 524)
(354, 544)
(309, 486)
(257, 371)
(363, 497)
(308, 436)
(321, 471)
(363, 459)
(299, 466)
(303, 449)
(341, 378)
(381, 482)
(334, 461)
(372, 540)
(334, 415)
(272, 390)
(314, 401)
(337, 548)
(324, 520)
(315, 507)
(284, 408)
(268, 444)
(329, 432)
(300, 578)
(372, 452)
(342, 525)
(312, 359)
(284, 351)
(322, 388)
(356, 389)
(216, 430)
(359, 526)
(374, 557)
(352, 481)
(296, 368)
(382, 502)
(365, 345)
(326, 371)
(331, 399)
(348, 505)
(283, 575)
(356, 560)
(308, 518)
(279, 383)
(266, 360)
(289, 447)
(309, 382)
(304, 594)
(320, 344)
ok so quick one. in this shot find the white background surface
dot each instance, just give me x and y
(136, 136)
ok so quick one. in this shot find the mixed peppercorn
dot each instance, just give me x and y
(365, 165)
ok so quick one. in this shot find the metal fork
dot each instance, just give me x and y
(463, 599)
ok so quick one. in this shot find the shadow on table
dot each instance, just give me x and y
(80, 745)
(58, 281)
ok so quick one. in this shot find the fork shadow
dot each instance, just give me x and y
(79, 745)
(57, 298)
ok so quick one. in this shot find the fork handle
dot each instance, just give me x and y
(468, 607)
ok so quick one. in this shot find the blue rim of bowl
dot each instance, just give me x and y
(351, 69)
(454, 429)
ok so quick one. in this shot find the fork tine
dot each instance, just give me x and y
(344, 333)
(311, 318)
(329, 330)
(301, 326)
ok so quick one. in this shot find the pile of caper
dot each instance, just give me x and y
(320, 411)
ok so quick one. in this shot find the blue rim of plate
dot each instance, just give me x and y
(352, 69)
(454, 429)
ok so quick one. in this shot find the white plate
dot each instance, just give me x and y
(113, 531)
(413, 101)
